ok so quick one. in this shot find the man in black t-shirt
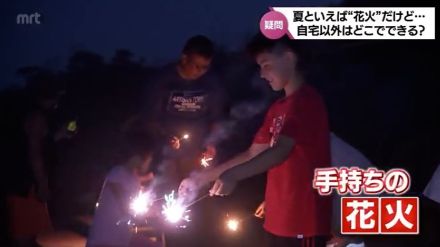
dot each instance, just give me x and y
(185, 106)
(187, 100)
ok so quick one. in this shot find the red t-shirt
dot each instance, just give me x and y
(293, 207)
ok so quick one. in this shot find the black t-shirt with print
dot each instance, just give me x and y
(186, 106)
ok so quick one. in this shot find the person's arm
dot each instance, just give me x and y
(260, 143)
(254, 150)
(198, 180)
(261, 163)
(296, 126)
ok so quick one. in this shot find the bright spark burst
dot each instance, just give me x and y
(185, 136)
(173, 210)
(141, 203)
(232, 224)
(205, 162)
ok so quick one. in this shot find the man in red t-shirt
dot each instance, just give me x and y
(291, 143)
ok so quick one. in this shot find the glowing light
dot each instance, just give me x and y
(173, 210)
(141, 203)
(205, 162)
(185, 136)
(72, 126)
(232, 224)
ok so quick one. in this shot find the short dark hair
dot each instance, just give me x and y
(259, 44)
(199, 45)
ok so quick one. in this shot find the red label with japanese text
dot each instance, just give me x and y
(375, 215)
(360, 215)
(399, 215)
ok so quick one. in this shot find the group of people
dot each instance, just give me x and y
(29, 146)
(293, 140)
(184, 108)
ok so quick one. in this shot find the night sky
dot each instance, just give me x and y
(155, 31)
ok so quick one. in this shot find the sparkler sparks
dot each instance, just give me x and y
(141, 203)
(185, 136)
(205, 162)
(173, 209)
(232, 224)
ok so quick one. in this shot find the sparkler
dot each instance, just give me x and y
(194, 202)
(173, 209)
(232, 224)
(184, 137)
(204, 162)
(141, 203)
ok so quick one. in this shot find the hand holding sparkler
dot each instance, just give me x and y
(259, 213)
(191, 185)
(222, 187)
(175, 141)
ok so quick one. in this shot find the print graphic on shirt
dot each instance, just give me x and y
(275, 129)
(187, 101)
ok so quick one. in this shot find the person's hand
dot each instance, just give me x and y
(259, 213)
(222, 187)
(175, 143)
